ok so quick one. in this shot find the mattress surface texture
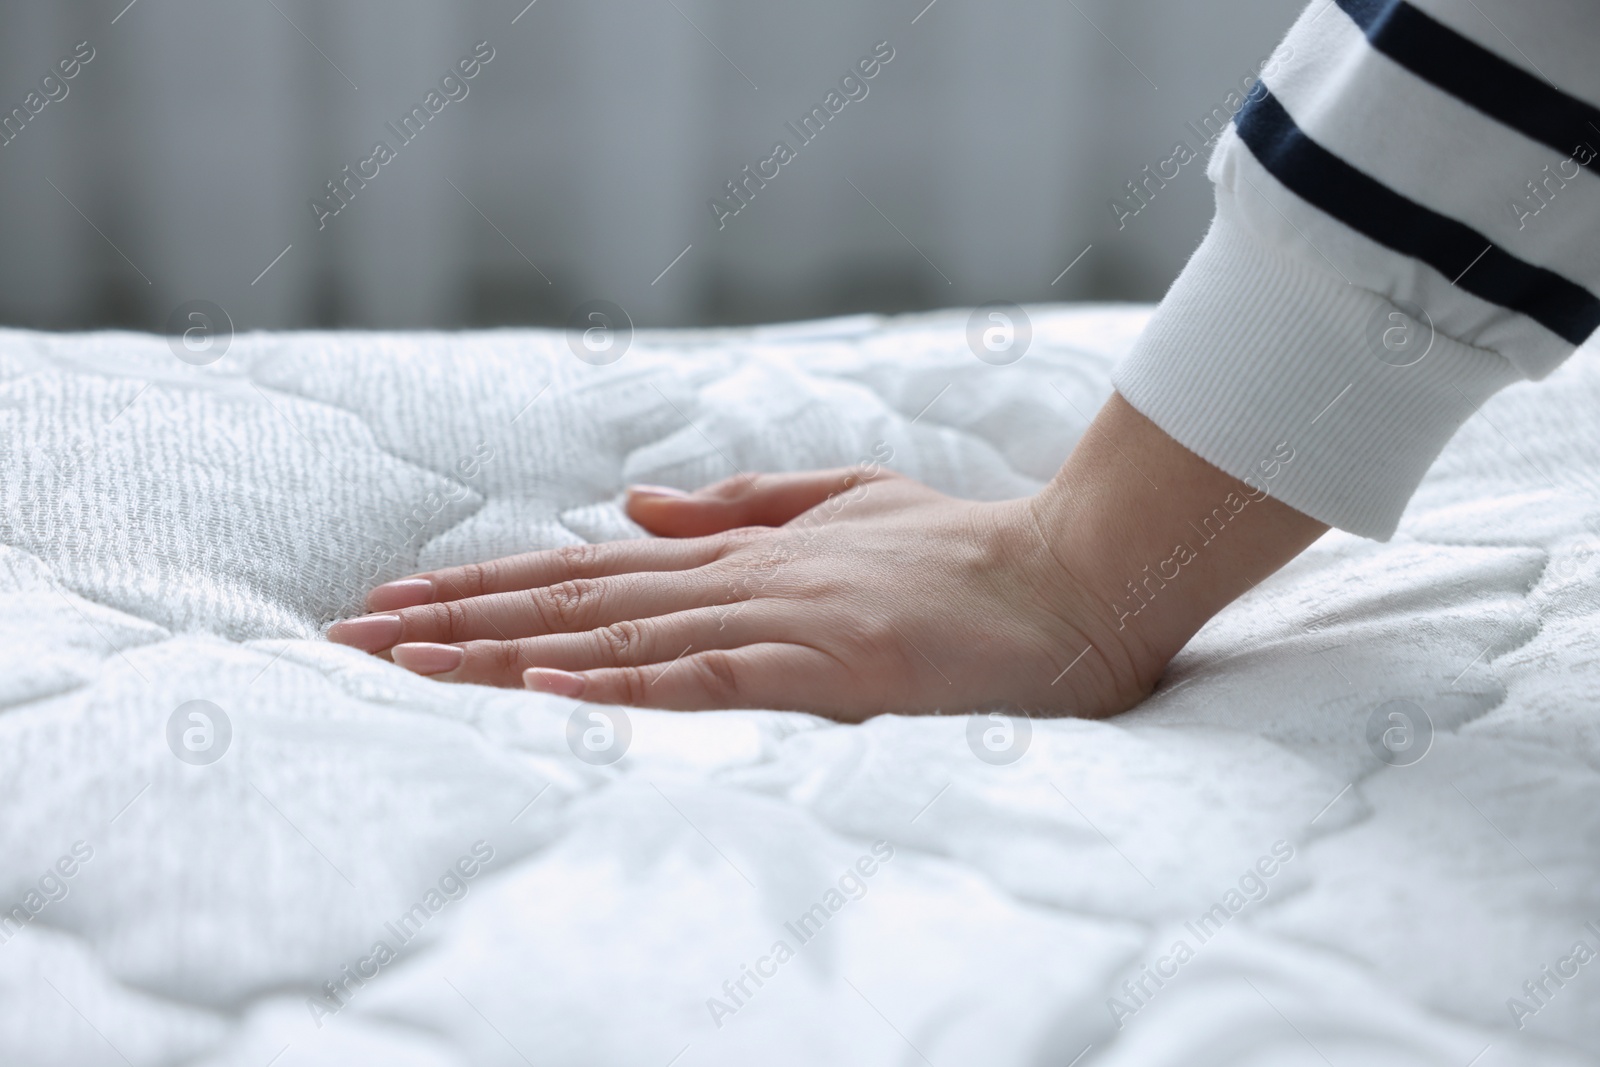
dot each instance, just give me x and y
(1358, 823)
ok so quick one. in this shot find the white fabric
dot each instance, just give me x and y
(1413, 136)
(1429, 146)
(1253, 349)
(173, 534)
(1283, 299)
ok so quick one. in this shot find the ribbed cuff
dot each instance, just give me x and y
(1256, 354)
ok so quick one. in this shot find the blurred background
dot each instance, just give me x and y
(183, 160)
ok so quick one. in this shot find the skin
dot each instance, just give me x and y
(856, 592)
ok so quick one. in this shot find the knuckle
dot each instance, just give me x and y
(740, 588)
(634, 684)
(755, 570)
(564, 604)
(579, 558)
(619, 640)
(506, 656)
(455, 615)
(736, 540)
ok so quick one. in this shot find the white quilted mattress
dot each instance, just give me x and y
(352, 864)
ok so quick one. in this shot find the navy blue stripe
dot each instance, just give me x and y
(1474, 75)
(1368, 206)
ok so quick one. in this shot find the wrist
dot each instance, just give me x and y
(1159, 540)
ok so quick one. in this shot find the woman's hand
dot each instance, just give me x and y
(853, 592)
(824, 591)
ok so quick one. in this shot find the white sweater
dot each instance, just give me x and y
(1408, 219)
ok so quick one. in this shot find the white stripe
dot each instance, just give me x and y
(1428, 146)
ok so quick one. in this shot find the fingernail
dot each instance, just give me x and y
(665, 492)
(368, 633)
(422, 657)
(406, 593)
(550, 680)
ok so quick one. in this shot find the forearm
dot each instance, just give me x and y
(1161, 539)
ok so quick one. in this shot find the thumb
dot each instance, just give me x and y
(744, 500)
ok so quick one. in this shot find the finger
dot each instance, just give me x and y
(777, 676)
(642, 642)
(566, 607)
(532, 569)
(745, 500)
(651, 644)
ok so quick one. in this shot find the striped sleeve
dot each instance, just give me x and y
(1407, 220)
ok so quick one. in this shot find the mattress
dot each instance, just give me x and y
(1358, 823)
